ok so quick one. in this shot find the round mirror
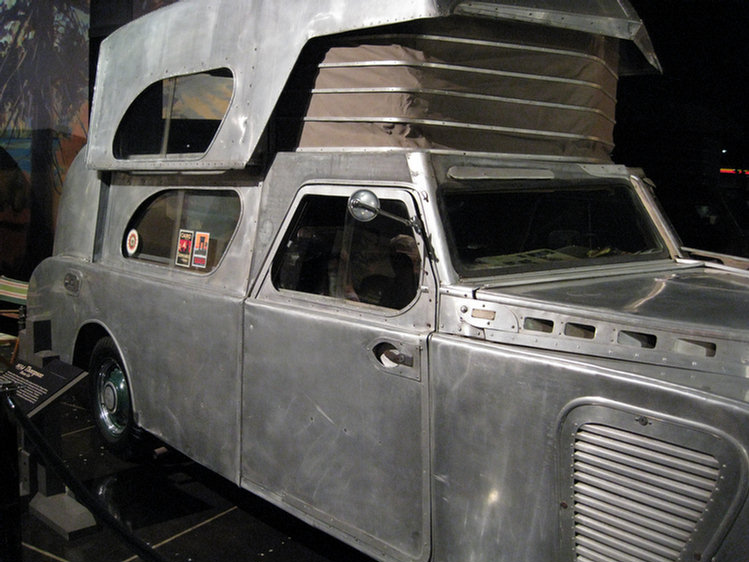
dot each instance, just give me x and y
(364, 205)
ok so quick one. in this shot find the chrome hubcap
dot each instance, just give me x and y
(113, 397)
(110, 397)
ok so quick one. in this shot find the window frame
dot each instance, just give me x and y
(551, 267)
(396, 192)
(168, 263)
(139, 110)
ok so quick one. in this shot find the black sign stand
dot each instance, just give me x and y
(10, 502)
(12, 537)
(37, 390)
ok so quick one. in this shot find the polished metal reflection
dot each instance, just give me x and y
(260, 44)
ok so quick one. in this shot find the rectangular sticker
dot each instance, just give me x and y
(184, 248)
(200, 253)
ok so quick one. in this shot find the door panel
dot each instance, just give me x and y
(334, 398)
(329, 430)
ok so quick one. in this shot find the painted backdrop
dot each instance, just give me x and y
(44, 106)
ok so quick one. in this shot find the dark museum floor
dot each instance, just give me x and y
(186, 512)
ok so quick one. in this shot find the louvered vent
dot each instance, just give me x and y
(636, 498)
(466, 85)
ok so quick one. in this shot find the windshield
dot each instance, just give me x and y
(495, 228)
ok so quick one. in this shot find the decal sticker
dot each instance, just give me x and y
(184, 248)
(132, 243)
(200, 253)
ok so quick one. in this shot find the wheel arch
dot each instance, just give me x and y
(88, 335)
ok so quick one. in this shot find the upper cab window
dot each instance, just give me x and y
(180, 228)
(496, 227)
(177, 115)
(327, 252)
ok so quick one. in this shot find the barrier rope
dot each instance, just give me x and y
(81, 493)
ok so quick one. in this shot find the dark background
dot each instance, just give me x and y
(684, 125)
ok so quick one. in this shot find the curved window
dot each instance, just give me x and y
(496, 228)
(178, 115)
(326, 252)
(190, 229)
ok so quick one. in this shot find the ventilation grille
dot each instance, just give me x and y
(467, 86)
(636, 498)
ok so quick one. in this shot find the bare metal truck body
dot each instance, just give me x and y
(373, 263)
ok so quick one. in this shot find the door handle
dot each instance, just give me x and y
(390, 356)
(399, 358)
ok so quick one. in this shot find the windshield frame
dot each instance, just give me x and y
(647, 225)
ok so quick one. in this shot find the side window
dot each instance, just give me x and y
(327, 252)
(190, 229)
(178, 115)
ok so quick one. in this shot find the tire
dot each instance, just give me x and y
(111, 405)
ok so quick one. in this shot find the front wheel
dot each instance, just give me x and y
(110, 398)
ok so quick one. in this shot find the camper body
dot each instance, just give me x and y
(380, 271)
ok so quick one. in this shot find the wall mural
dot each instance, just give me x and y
(44, 109)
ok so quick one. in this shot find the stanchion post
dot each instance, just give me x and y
(10, 501)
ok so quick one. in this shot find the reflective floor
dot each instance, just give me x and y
(186, 512)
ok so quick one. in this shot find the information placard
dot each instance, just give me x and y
(39, 386)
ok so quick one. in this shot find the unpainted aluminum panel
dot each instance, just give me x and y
(178, 332)
(75, 232)
(180, 349)
(330, 431)
(332, 435)
(500, 479)
(259, 41)
(703, 300)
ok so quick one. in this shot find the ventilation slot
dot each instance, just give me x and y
(637, 339)
(580, 331)
(695, 347)
(538, 325)
(636, 498)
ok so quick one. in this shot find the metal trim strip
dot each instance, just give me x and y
(466, 95)
(468, 69)
(646, 471)
(494, 44)
(457, 125)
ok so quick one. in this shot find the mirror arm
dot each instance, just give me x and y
(418, 226)
(413, 222)
(356, 203)
(359, 204)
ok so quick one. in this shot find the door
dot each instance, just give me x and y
(335, 405)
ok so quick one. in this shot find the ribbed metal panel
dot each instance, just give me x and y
(636, 498)
(470, 87)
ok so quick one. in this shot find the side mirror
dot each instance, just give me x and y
(364, 205)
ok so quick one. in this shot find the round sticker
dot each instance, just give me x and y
(132, 242)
